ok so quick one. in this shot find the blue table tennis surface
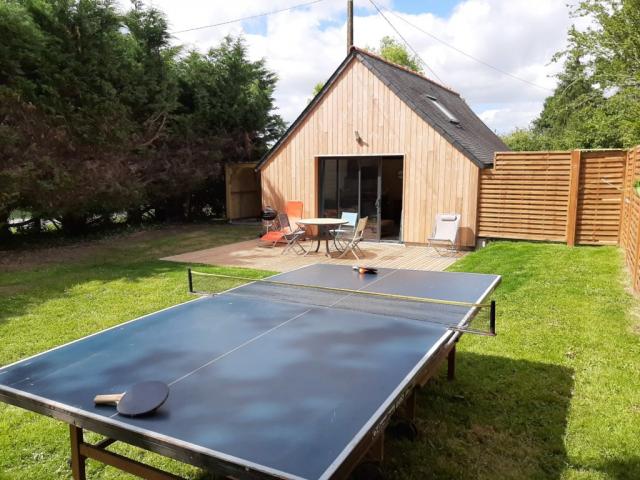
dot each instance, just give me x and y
(281, 386)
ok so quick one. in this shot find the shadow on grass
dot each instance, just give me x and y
(34, 288)
(628, 469)
(500, 418)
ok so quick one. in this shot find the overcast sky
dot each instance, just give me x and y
(305, 45)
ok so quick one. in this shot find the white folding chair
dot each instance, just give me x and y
(352, 246)
(346, 229)
(445, 233)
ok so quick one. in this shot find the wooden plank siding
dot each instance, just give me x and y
(437, 177)
(554, 196)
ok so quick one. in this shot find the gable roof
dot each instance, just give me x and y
(442, 108)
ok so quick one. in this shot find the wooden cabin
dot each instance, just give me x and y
(387, 143)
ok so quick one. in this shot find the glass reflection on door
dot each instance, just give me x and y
(370, 186)
(369, 196)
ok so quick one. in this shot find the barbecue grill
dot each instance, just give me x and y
(268, 214)
(268, 217)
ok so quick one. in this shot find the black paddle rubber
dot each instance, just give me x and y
(363, 269)
(143, 398)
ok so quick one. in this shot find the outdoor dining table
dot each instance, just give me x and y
(324, 227)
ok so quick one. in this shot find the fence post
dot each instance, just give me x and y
(634, 205)
(572, 208)
(625, 203)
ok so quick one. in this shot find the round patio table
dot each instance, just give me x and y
(324, 226)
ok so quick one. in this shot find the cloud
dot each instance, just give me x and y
(304, 46)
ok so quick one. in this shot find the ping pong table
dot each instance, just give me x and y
(266, 380)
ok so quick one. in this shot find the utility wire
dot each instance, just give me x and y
(227, 22)
(406, 42)
(486, 64)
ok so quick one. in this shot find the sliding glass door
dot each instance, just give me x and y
(369, 186)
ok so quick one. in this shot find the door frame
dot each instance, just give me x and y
(381, 156)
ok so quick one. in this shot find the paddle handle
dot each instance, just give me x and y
(108, 399)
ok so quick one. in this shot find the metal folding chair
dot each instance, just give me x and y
(344, 230)
(352, 246)
(290, 235)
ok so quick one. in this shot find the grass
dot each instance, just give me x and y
(555, 395)
(76, 290)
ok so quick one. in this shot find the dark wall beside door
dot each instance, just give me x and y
(391, 198)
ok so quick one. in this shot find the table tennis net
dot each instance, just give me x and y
(475, 318)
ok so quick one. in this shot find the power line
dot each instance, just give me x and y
(406, 42)
(227, 22)
(486, 64)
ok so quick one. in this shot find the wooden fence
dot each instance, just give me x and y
(565, 196)
(630, 221)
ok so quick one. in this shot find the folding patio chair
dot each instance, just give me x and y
(291, 235)
(276, 233)
(445, 233)
(285, 234)
(345, 230)
(293, 209)
(352, 246)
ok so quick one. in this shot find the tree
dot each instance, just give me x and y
(393, 51)
(597, 100)
(317, 87)
(21, 47)
(526, 139)
(82, 95)
(225, 114)
(100, 114)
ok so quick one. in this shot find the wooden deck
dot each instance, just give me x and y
(250, 254)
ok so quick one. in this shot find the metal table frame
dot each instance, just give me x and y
(324, 234)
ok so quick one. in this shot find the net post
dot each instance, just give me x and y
(190, 279)
(492, 318)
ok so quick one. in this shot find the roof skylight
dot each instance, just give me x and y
(452, 118)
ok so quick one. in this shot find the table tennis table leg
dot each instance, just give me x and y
(81, 452)
(78, 461)
(407, 410)
(451, 364)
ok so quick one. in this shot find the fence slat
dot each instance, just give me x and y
(525, 196)
(572, 205)
(572, 196)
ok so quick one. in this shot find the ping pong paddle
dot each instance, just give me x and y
(362, 269)
(141, 399)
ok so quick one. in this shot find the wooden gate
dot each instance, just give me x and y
(243, 191)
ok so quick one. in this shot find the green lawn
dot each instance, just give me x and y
(73, 291)
(555, 395)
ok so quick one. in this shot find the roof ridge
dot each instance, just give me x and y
(402, 67)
